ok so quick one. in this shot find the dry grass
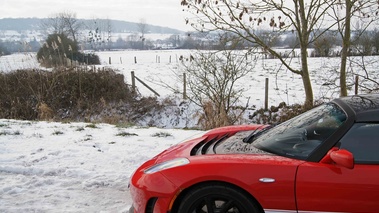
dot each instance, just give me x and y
(212, 116)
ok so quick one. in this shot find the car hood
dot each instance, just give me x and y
(216, 142)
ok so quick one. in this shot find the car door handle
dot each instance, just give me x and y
(267, 180)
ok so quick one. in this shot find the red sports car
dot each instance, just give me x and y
(324, 160)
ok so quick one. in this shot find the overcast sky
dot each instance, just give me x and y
(166, 13)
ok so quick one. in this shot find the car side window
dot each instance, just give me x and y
(363, 141)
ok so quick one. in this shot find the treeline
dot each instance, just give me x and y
(363, 43)
(8, 47)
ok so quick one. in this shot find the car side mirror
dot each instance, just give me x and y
(340, 157)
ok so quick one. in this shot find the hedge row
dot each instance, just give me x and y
(73, 94)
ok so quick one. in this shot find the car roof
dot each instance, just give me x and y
(365, 107)
(359, 109)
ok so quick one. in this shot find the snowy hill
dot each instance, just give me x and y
(34, 24)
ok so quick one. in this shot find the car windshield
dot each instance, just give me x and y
(300, 136)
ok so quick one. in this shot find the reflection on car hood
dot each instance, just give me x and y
(234, 144)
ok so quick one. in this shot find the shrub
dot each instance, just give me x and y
(87, 58)
(57, 132)
(279, 114)
(161, 135)
(125, 134)
(76, 95)
(93, 126)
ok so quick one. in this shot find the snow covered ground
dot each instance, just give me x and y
(74, 167)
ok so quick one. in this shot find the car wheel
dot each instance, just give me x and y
(217, 198)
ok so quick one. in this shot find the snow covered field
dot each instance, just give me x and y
(154, 67)
(159, 68)
(81, 167)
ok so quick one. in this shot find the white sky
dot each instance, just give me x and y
(166, 13)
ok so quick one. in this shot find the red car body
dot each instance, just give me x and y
(327, 179)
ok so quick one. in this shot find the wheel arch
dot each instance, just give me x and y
(185, 191)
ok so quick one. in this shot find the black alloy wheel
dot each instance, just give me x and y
(217, 198)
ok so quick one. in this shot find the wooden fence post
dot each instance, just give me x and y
(133, 83)
(135, 59)
(184, 86)
(110, 60)
(266, 95)
(356, 84)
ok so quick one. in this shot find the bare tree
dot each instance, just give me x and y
(211, 78)
(108, 30)
(244, 17)
(375, 41)
(343, 13)
(367, 80)
(362, 43)
(143, 29)
(63, 23)
(323, 44)
(175, 40)
(99, 33)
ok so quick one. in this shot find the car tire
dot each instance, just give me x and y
(217, 198)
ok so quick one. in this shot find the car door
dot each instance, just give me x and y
(324, 187)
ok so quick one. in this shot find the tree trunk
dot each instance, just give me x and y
(306, 79)
(345, 49)
(304, 39)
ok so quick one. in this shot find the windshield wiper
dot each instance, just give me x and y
(249, 139)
